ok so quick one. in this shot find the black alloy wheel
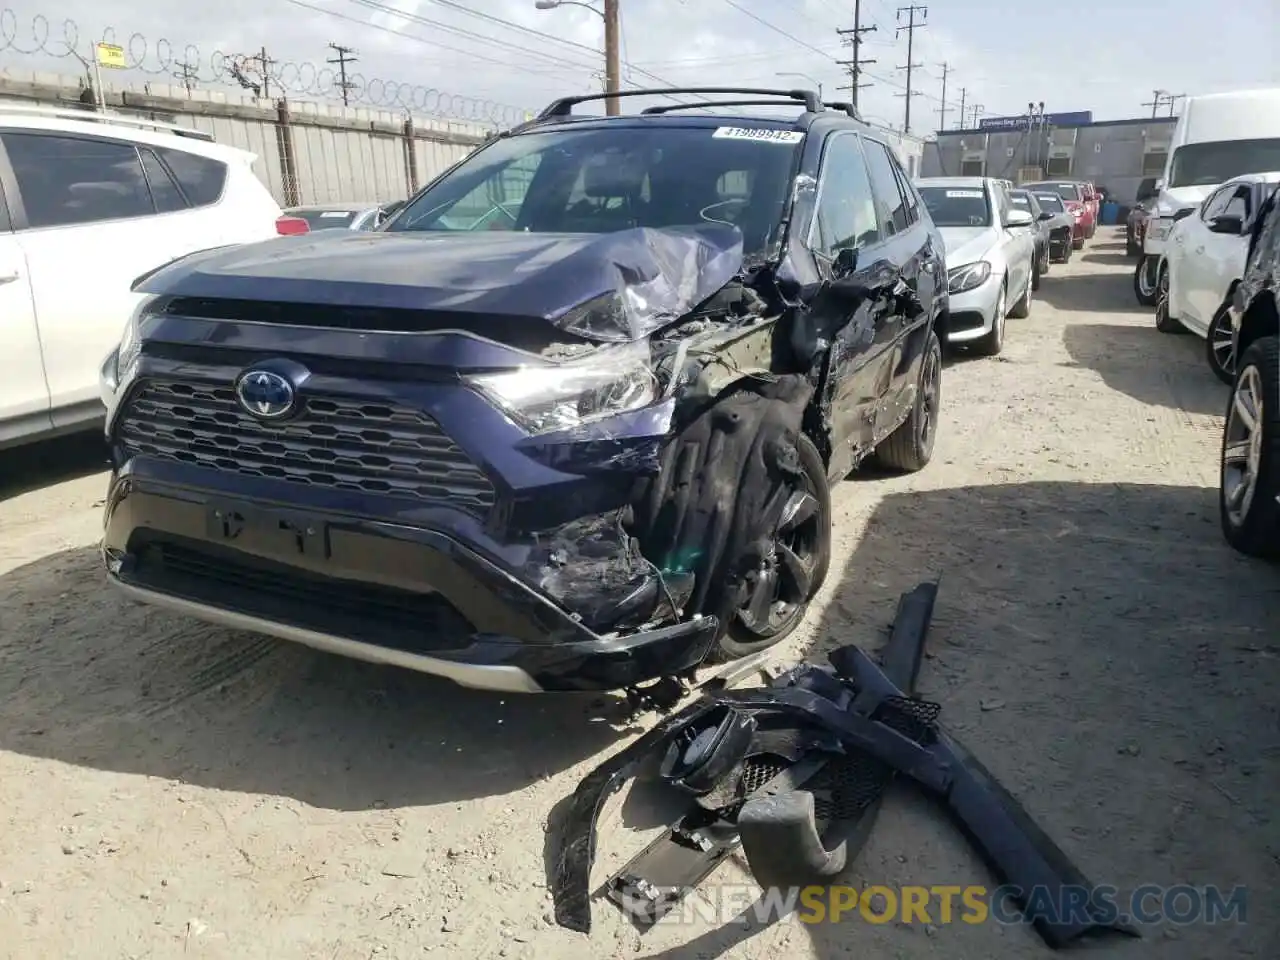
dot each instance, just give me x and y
(1220, 346)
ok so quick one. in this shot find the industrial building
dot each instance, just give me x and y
(1115, 154)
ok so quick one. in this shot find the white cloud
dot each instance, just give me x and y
(462, 47)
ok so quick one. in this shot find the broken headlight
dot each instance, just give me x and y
(561, 396)
(968, 277)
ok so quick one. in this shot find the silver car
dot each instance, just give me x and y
(991, 248)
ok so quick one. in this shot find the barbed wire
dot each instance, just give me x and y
(283, 78)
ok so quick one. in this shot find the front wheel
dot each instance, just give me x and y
(1146, 280)
(791, 564)
(992, 342)
(910, 447)
(1220, 348)
(1250, 480)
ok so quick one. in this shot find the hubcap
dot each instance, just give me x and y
(1148, 277)
(1222, 345)
(1242, 446)
(779, 586)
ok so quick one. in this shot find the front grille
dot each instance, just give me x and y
(388, 617)
(334, 443)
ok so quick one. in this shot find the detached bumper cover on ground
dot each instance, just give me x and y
(859, 709)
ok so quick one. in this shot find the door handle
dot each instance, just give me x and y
(8, 277)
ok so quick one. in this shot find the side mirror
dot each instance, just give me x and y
(846, 262)
(1230, 225)
(1046, 215)
(1018, 218)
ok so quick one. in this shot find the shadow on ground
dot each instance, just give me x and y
(1167, 370)
(1114, 664)
(90, 679)
(1110, 257)
(43, 464)
(1108, 292)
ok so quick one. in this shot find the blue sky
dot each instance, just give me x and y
(1087, 55)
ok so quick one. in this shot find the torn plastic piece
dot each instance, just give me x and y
(903, 655)
(781, 841)
(1020, 853)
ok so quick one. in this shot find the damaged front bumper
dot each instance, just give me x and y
(416, 596)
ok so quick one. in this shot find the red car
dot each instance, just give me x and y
(1081, 201)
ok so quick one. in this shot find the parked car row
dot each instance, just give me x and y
(1223, 165)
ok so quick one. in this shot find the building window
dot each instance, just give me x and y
(1058, 167)
(1153, 163)
(973, 168)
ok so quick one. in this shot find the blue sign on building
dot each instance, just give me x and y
(1077, 119)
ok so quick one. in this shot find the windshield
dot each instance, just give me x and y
(325, 219)
(1021, 201)
(1067, 191)
(615, 178)
(1201, 164)
(1051, 202)
(957, 206)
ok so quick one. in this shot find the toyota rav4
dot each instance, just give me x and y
(567, 421)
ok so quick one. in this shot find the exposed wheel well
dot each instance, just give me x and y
(1260, 320)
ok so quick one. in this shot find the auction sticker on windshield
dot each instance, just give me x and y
(964, 194)
(759, 133)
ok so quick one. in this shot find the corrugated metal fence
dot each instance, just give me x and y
(307, 152)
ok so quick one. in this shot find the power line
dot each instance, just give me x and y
(341, 60)
(978, 110)
(911, 28)
(942, 110)
(1156, 101)
(855, 61)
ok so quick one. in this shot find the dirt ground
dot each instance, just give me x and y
(171, 789)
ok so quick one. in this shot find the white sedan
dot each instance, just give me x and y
(1205, 258)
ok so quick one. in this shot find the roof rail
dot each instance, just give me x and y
(564, 106)
(704, 104)
(846, 108)
(108, 117)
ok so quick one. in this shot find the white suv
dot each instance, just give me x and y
(88, 203)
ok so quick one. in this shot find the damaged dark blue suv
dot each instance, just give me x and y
(567, 421)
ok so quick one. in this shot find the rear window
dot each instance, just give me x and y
(200, 178)
(1067, 191)
(1051, 202)
(325, 219)
(616, 177)
(1020, 201)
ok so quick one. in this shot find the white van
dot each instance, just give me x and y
(1218, 137)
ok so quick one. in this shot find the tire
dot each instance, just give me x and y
(1040, 267)
(1253, 527)
(1145, 288)
(741, 638)
(910, 447)
(1077, 244)
(1022, 309)
(1164, 322)
(992, 343)
(1218, 347)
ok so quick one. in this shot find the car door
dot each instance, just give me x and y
(89, 222)
(1187, 274)
(24, 392)
(1016, 242)
(846, 226)
(1220, 256)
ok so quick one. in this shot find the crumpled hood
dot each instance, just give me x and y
(635, 281)
(967, 244)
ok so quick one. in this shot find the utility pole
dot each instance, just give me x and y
(186, 74)
(978, 110)
(1173, 99)
(1157, 99)
(963, 93)
(912, 26)
(942, 111)
(612, 63)
(855, 62)
(264, 66)
(344, 56)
